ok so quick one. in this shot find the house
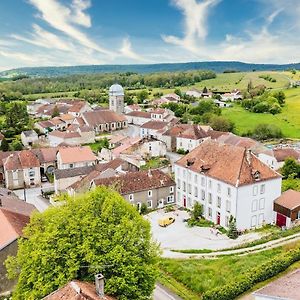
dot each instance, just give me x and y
(191, 137)
(153, 188)
(45, 126)
(172, 97)
(104, 120)
(194, 93)
(22, 169)
(222, 104)
(153, 129)
(138, 117)
(14, 216)
(284, 288)
(116, 140)
(29, 138)
(131, 108)
(47, 159)
(63, 178)
(81, 290)
(287, 209)
(161, 114)
(233, 96)
(75, 157)
(281, 154)
(227, 181)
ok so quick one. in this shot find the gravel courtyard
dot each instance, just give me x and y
(179, 236)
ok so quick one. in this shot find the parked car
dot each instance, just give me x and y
(164, 222)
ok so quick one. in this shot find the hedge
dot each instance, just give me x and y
(253, 276)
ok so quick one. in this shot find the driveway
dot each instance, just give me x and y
(33, 196)
(179, 236)
(163, 293)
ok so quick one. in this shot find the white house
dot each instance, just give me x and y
(75, 157)
(227, 181)
(233, 96)
(153, 129)
(29, 138)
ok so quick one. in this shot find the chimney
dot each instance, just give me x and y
(149, 173)
(99, 282)
(248, 156)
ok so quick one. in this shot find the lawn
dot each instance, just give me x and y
(288, 120)
(200, 275)
(50, 95)
(154, 163)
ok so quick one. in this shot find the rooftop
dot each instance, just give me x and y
(290, 199)
(284, 153)
(76, 154)
(156, 125)
(96, 117)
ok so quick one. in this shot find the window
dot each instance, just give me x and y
(149, 193)
(255, 190)
(229, 192)
(261, 219)
(189, 189)
(298, 216)
(209, 212)
(184, 186)
(189, 176)
(189, 202)
(209, 198)
(171, 189)
(226, 221)
(202, 181)
(202, 194)
(183, 173)
(170, 199)
(131, 197)
(178, 184)
(196, 178)
(31, 173)
(178, 197)
(219, 187)
(209, 184)
(262, 203)
(149, 203)
(219, 201)
(228, 206)
(15, 175)
(253, 221)
(254, 205)
(262, 188)
(71, 165)
(196, 191)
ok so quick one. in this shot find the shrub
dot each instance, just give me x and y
(253, 276)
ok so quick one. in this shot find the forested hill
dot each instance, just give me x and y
(217, 66)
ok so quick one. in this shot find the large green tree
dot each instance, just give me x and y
(92, 233)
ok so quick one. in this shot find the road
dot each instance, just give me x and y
(33, 196)
(162, 293)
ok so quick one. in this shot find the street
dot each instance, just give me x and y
(162, 293)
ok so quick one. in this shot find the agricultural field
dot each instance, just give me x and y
(288, 120)
(197, 276)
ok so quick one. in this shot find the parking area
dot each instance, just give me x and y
(179, 236)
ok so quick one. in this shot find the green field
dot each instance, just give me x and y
(49, 95)
(200, 275)
(288, 120)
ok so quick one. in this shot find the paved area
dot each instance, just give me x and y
(33, 196)
(179, 236)
(163, 293)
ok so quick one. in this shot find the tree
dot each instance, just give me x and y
(232, 230)
(221, 123)
(4, 145)
(103, 143)
(280, 96)
(17, 116)
(266, 131)
(91, 233)
(142, 95)
(205, 91)
(290, 169)
(55, 112)
(197, 211)
(16, 145)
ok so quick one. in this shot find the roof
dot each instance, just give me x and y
(193, 132)
(21, 160)
(214, 134)
(156, 125)
(67, 117)
(290, 199)
(117, 138)
(285, 287)
(48, 154)
(137, 181)
(283, 154)
(74, 172)
(76, 154)
(13, 203)
(231, 164)
(140, 114)
(116, 90)
(45, 124)
(11, 225)
(158, 111)
(64, 134)
(77, 290)
(30, 133)
(96, 117)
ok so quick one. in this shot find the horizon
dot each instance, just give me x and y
(58, 33)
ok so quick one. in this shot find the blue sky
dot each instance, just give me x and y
(75, 32)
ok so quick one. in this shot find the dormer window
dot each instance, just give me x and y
(256, 175)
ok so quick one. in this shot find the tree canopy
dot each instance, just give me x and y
(98, 232)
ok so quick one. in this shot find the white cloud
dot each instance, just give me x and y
(127, 51)
(195, 23)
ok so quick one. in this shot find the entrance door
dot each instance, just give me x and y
(280, 220)
(184, 201)
(218, 218)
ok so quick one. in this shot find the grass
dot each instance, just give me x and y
(288, 120)
(49, 95)
(154, 163)
(200, 275)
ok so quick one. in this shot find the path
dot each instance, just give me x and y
(163, 293)
(240, 252)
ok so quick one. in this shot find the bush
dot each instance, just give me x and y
(266, 131)
(247, 280)
(181, 151)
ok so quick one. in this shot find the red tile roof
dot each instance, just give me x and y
(137, 181)
(283, 154)
(21, 160)
(231, 164)
(290, 199)
(193, 132)
(76, 154)
(156, 125)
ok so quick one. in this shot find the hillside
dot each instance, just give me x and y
(216, 66)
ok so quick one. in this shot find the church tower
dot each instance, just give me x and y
(116, 98)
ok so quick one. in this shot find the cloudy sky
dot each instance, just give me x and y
(76, 32)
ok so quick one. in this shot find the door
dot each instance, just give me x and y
(218, 218)
(184, 201)
(280, 220)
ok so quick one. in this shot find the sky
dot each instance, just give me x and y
(81, 32)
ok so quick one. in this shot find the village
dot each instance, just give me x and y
(162, 167)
